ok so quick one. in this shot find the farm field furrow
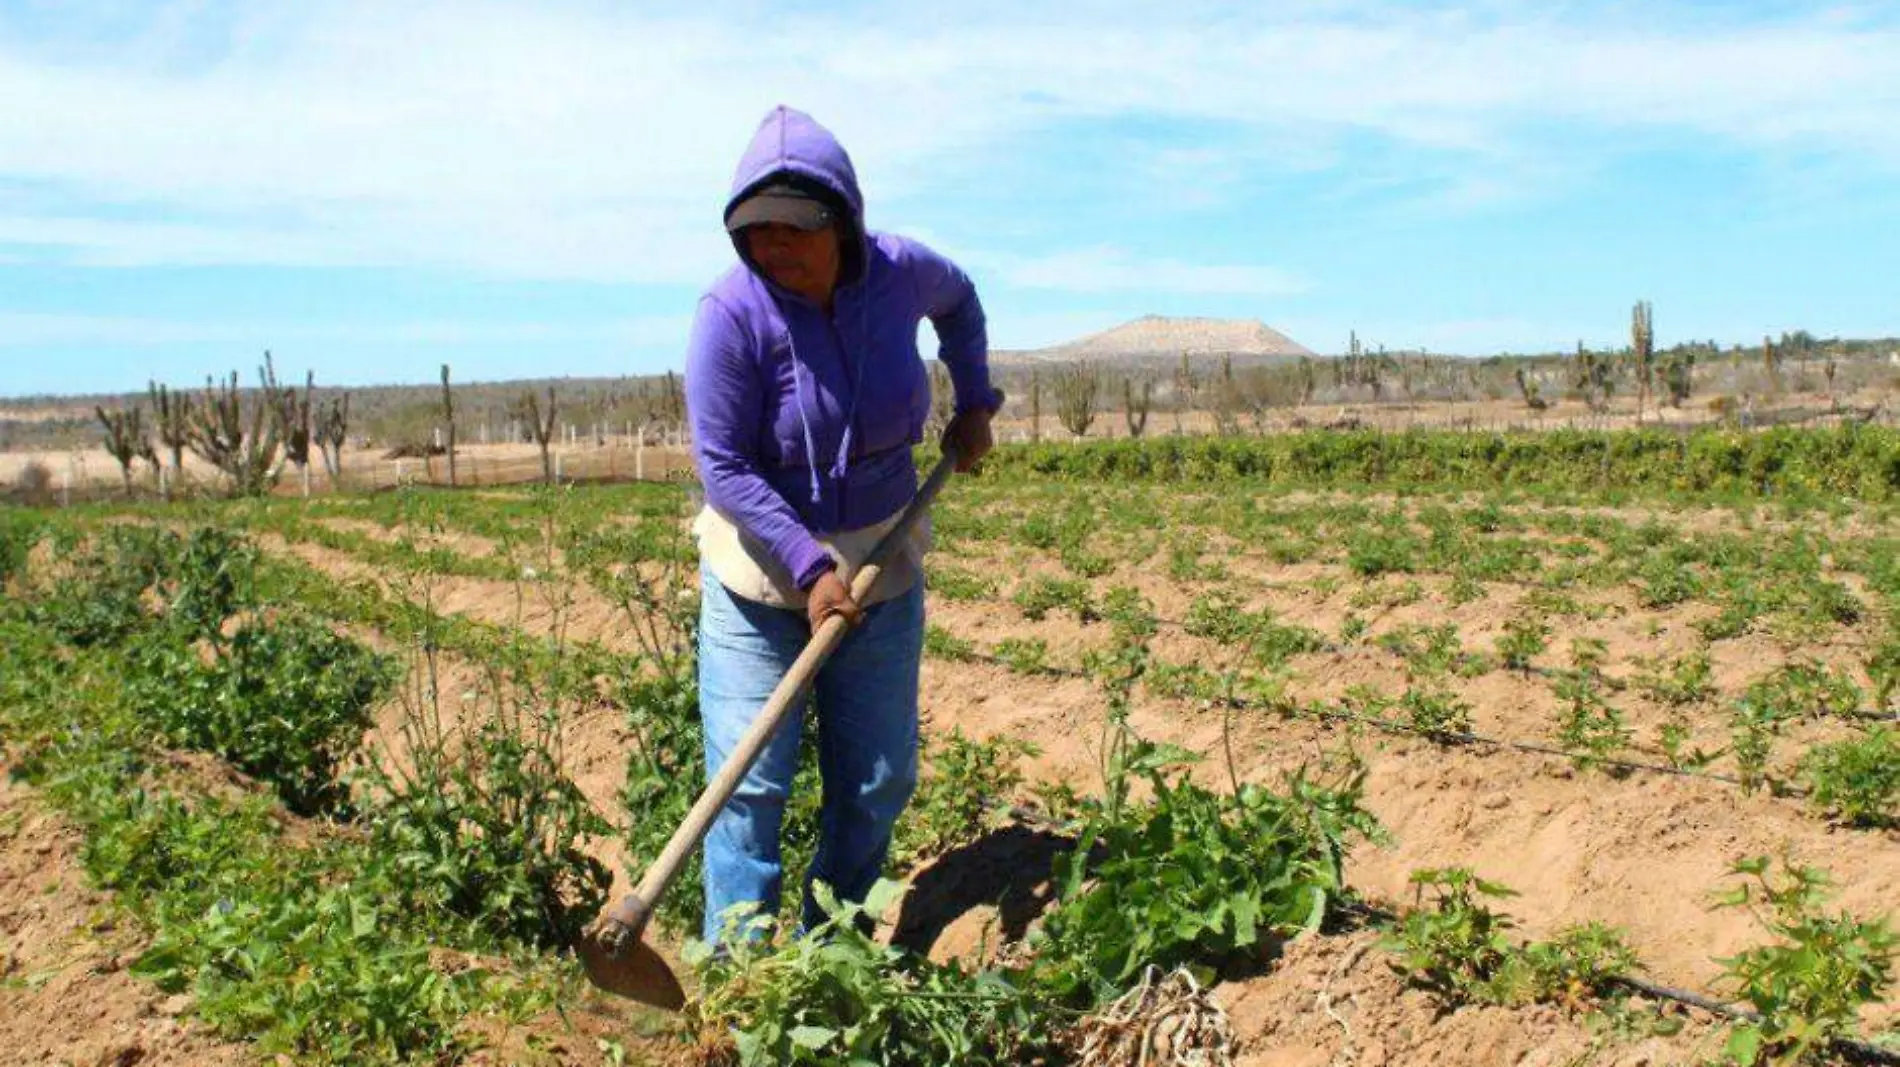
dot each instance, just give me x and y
(1688, 684)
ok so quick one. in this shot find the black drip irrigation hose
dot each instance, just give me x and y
(1850, 1049)
(1553, 673)
(1408, 730)
(1853, 1050)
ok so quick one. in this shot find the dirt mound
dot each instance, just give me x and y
(65, 997)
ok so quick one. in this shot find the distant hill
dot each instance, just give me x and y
(1151, 336)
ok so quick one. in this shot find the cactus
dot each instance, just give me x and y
(672, 401)
(126, 440)
(1533, 395)
(1227, 400)
(448, 416)
(1591, 378)
(541, 425)
(1135, 412)
(1184, 389)
(1678, 377)
(290, 416)
(1035, 405)
(332, 428)
(172, 411)
(1642, 352)
(243, 447)
(1077, 387)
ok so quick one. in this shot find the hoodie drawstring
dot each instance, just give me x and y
(842, 466)
(804, 417)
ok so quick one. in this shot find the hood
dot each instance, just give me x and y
(790, 141)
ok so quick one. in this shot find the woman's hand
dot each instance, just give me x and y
(830, 596)
(969, 435)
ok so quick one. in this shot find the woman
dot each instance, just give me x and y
(806, 392)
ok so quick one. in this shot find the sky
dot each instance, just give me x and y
(370, 189)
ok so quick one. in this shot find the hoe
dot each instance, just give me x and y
(613, 950)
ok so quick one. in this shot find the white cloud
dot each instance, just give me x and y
(39, 330)
(1106, 269)
(588, 140)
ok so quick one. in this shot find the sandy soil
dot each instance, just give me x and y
(1642, 851)
(1578, 845)
(65, 997)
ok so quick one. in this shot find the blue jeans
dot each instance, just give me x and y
(866, 697)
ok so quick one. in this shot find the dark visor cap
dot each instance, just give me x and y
(782, 203)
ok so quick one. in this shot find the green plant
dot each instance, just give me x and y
(1023, 655)
(1590, 728)
(20, 531)
(1809, 984)
(1436, 713)
(1857, 778)
(285, 699)
(955, 584)
(97, 595)
(942, 644)
(1883, 667)
(1431, 651)
(1687, 679)
(964, 795)
(1525, 638)
(1459, 949)
(1372, 552)
(1189, 875)
(1038, 595)
(1352, 628)
(1456, 946)
(839, 997)
(1129, 611)
(483, 823)
(1664, 581)
(1803, 689)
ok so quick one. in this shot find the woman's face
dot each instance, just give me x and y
(804, 261)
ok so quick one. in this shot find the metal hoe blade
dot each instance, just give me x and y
(626, 966)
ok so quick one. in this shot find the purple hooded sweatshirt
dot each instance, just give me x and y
(803, 421)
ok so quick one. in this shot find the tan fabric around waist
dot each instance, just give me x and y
(744, 565)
